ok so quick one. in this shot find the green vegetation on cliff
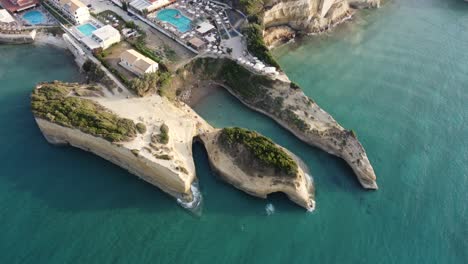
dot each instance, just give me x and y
(256, 45)
(253, 30)
(243, 82)
(52, 102)
(251, 88)
(149, 83)
(260, 147)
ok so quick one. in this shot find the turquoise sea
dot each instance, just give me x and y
(397, 75)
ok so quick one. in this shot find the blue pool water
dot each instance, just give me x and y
(173, 16)
(34, 17)
(87, 29)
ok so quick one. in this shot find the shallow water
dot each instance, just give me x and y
(398, 76)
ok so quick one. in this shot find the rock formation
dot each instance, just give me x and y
(244, 171)
(161, 152)
(307, 16)
(287, 104)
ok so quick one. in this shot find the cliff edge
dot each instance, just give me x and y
(256, 165)
(152, 138)
(287, 104)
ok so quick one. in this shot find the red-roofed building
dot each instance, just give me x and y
(18, 5)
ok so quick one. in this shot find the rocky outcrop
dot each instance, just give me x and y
(243, 172)
(277, 35)
(287, 104)
(161, 152)
(305, 15)
(159, 174)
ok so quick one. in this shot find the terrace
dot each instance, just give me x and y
(214, 30)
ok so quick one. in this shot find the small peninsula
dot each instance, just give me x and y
(152, 138)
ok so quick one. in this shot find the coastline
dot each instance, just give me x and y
(195, 97)
(50, 39)
(291, 35)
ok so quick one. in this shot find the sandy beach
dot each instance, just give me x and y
(195, 95)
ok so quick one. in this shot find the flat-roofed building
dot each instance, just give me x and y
(137, 63)
(197, 43)
(149, 5)
(75, 10)
(204, 27)
(103, 38)
(18, 5)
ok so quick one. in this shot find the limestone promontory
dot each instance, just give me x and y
(152, 138)
(286, 103)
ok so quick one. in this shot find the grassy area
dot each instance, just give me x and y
(51, 102)
(260, 148)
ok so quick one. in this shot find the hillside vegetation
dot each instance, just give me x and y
(52, 102)
(260, 148)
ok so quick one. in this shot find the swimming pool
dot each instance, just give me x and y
(34, 17)
(173, 16)
(87, 29)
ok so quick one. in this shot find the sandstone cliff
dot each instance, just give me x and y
(305, 15)
(161, 152)
(243, 171)
(287, 104)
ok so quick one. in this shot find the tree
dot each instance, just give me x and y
(147, 83)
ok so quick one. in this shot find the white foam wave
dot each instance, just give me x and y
(270, 209)
(197, 198)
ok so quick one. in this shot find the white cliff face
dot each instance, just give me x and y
(254, 181)
(364, 3)
(305, 15)
(169, 165)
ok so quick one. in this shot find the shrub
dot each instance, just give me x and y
(294, 86)
(164, 136)
(256, 45)
(141, 128)
(145, 84)
(135, 152)
(163, 156)
(260, 147)
(93, 72)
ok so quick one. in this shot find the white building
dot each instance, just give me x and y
(103, 38)
(137, 63)
(204, 27)
(149, 5)
(75, 10)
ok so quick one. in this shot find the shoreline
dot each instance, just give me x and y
(49, 39)
(194, 97)
(281, 41)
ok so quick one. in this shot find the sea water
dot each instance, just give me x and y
(398, 76)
